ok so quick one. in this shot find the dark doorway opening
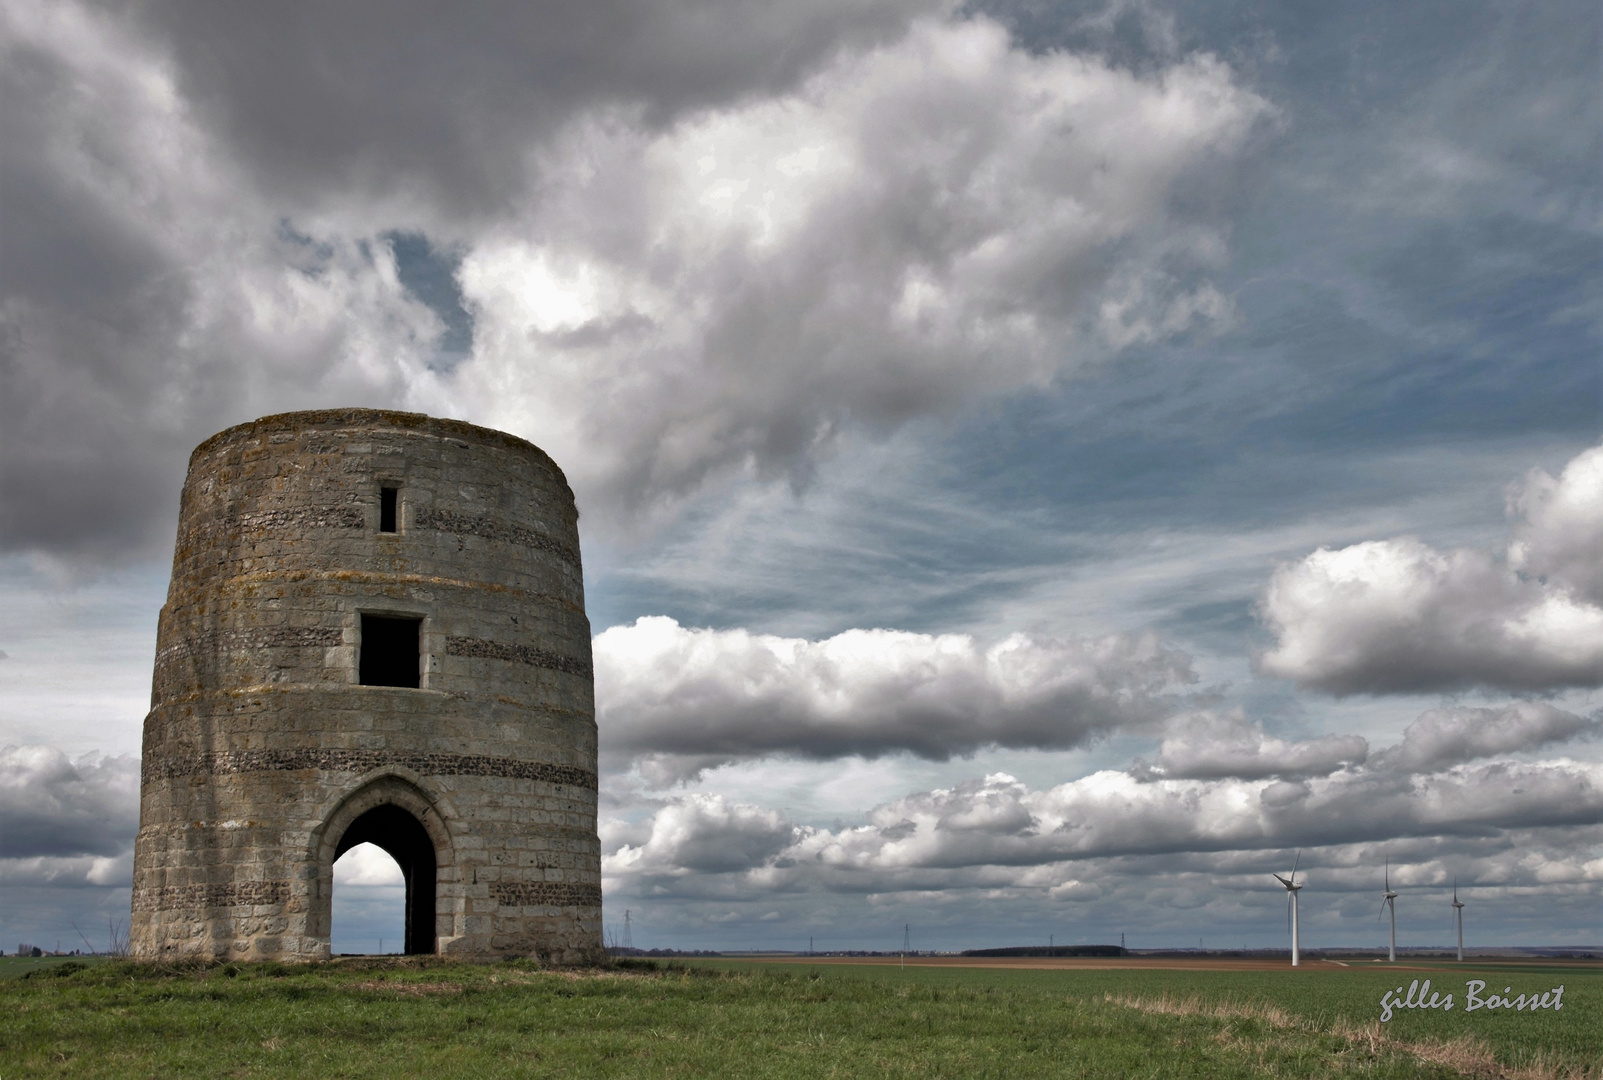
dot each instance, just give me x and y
(390, 651)
(404, 839)
(387, 498)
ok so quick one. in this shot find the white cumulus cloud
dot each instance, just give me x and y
(943, 215)
(1560, 531)
(1399, 616)
(367, 866)
(1449, 736)
(679, 699)
(999, 832)
(1211, 745)
(706, 834)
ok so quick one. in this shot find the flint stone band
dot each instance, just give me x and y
(219, 894)
(288, 517)
(350, 517)
(301, 517)
(267, 637)
(523, 654)
(490, 529)
(545, 894)
(225, 762)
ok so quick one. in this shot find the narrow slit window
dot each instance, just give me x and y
(391, 648)
(387, 499)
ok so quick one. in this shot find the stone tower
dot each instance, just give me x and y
(375, 632)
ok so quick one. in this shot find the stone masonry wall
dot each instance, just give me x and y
(261, 744)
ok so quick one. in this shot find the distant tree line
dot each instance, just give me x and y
(1050, 950)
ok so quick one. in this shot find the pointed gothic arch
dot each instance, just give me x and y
(395, 814)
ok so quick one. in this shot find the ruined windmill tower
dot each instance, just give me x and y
(375, 633)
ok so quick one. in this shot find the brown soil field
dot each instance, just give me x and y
(1157, 963)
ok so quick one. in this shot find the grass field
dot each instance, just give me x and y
(800, 1019)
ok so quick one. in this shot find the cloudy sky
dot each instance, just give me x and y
(1042, 463)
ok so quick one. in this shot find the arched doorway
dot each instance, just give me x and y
(397, 814)
(400, 835)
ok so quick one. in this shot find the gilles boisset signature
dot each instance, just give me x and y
(1422, 997)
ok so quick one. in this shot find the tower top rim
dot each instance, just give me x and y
(311, 419)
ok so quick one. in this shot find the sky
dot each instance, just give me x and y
(1043, 466)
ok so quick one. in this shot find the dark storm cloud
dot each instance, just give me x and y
(150, 296)
(78, 287)
(442, 101)
(51, 806)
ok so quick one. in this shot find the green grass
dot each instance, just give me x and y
(754, 1020)
(1319, 999)
(19, 967)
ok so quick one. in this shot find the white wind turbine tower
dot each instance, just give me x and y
(1458, 910)
(1291, 906)
(1390, 898)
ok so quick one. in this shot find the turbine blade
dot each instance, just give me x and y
(1294, 863)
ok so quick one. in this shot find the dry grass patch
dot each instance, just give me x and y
(1466, 1055)
(1226, 1009)
(414, 989)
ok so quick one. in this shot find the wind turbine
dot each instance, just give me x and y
(1291, 906)
(1458, 910)
(1390, 898)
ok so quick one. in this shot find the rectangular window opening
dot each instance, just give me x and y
(390, 651)
(387, 498)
